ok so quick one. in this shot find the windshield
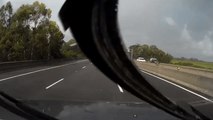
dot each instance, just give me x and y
(41, 65)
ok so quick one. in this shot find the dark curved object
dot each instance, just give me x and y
(94, 26)
(21, 109)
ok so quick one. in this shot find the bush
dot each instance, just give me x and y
(184, 64)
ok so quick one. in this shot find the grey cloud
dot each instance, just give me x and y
(180, 27)
(170, 21)
(185, 33)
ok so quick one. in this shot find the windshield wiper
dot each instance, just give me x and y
(27, 112)
(21, 109)
(94, 26)
(198, 113)
(192, 110)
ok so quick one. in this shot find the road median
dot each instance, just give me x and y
(196, 79)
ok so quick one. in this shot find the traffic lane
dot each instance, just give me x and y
(31, 85)
(88, 84)
(92, 85)
(173, 92)
(35, 68)
(81, 81)
(23, 72)
(36, 85)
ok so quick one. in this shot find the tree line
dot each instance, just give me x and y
(28, 33)
(189, 59)
(151, 51)
(71, 50)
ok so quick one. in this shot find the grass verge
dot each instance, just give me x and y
(196, 64)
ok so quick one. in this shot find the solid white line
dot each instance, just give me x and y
(120, 88)
(83, 67)
(39, 70)
(54, 83)
(179, 86)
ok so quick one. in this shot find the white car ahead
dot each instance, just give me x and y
(141, 59)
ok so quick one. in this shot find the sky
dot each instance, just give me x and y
(183, 28)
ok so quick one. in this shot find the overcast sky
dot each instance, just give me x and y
(179, 27)
(183, 28)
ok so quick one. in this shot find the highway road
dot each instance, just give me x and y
(82, 81)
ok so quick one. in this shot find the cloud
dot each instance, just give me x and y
(185, 33)
(179, 27)
(203, 46)
(206, 46)
(170, 21)
(210, 33)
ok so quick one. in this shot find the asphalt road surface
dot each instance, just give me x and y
(82, 81)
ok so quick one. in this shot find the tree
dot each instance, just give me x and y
(28, 33)
(148, 52)
(70, 51)
(6, 14)
(5, 36)
(34, 17)
(137, 50)
(55, 40)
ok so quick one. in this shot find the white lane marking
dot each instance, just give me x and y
(39, 70)
(54, 83)
(83, 67)
(179, 87)
(120, 88)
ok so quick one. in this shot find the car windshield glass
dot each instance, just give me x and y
(42, 65)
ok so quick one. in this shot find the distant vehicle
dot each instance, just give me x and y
(141, 59)
(153, 60)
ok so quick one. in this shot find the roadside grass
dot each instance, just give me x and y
(196, 64)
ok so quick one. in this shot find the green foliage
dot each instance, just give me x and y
(55, 40)
(192, 63)
(148, 52)
(6, 14)
(184, 63)
(29, 34)
(70, 51)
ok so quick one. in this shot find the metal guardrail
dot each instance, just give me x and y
(15, 65)
(7, 66)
